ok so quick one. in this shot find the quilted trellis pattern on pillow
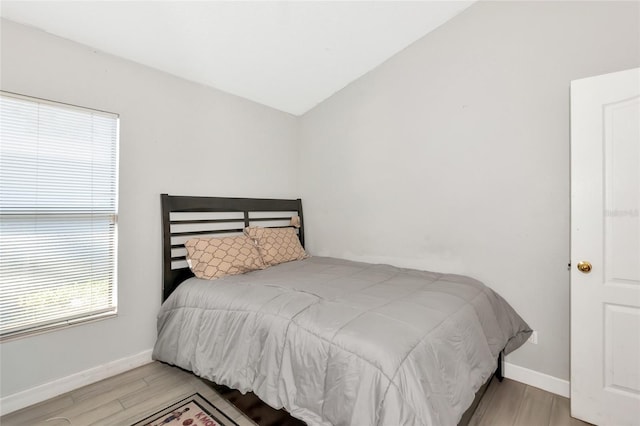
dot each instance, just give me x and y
(276, 245)
(211, 258)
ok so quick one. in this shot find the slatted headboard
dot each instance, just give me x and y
(185, 217)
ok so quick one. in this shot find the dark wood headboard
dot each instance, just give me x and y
(185, 217)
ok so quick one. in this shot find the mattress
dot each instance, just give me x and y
(337, 342)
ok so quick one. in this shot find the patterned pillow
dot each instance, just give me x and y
(212, 258)
(276, 245)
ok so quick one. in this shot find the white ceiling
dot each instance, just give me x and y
(289, 55)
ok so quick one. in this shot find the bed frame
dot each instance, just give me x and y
(186, 217)
(179, 223)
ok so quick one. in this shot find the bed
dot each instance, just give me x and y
(334, 342)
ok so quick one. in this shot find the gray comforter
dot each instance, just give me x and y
(343, 343)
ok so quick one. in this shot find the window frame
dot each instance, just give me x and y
(95, 314)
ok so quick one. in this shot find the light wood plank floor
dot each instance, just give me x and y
(126, 398)
(513, 403)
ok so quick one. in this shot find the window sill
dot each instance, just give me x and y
(57, 326)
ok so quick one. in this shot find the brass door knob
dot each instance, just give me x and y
(584, 267)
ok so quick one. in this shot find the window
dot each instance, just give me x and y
(58, 214)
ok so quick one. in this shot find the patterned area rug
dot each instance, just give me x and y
(191, 411)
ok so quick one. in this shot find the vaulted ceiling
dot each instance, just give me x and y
(289, 55)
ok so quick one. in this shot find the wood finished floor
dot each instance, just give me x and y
(126, 398)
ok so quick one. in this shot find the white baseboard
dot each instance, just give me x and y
(537, 380)
(49, 390)
(57, 387)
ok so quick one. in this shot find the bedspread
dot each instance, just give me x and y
(343, 343)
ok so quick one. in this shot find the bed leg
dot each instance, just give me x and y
(499, 370)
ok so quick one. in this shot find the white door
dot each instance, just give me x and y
(605, 237)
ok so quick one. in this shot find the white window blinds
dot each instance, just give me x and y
(58, 213)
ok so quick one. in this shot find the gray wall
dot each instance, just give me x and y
(176, 137)
(454, 154)
(451, 156)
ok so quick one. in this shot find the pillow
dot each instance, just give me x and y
(212, 258)
(276, 245)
